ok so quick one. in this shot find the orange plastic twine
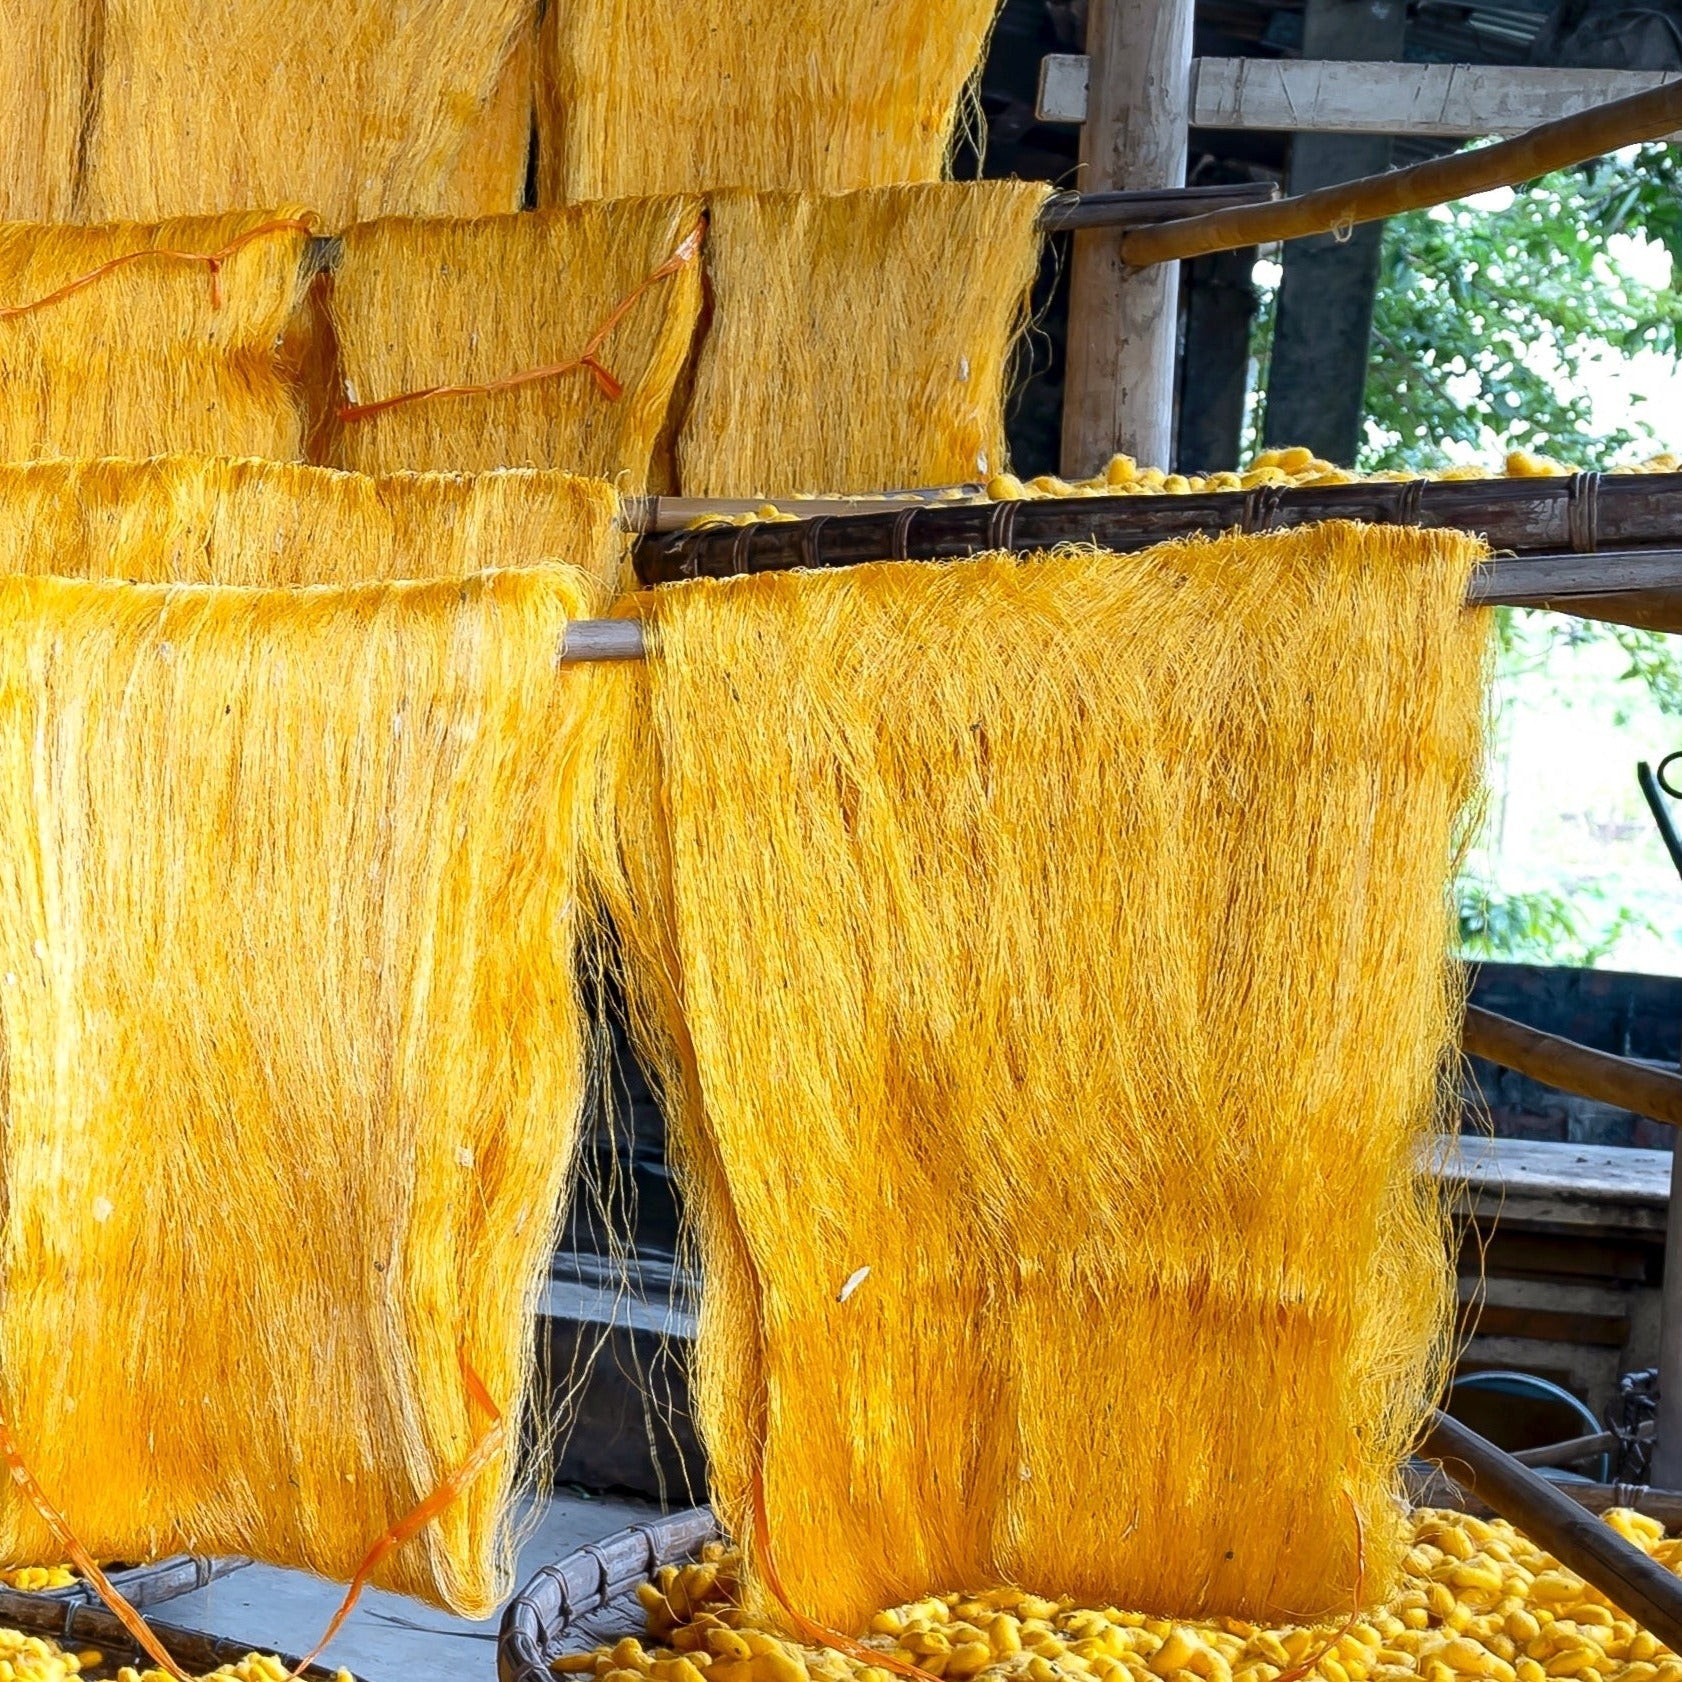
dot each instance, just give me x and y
(212, 260)
(589, 358)
(818, 1634)
(406, 1529)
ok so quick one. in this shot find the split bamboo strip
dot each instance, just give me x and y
(358, 109)
(599, 295)
(135, 339)
(859, 339)
(688, 96)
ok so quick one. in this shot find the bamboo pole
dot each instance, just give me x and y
(1588, 514)
(1500, 582)
(1639, 1586)
(1570, 1067)
(1063, 213)
(1652, 115)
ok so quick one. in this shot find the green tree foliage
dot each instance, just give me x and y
(1485, 318)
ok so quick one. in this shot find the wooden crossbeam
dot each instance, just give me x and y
(1316, 96)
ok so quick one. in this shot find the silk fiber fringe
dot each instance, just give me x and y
(418, 304)
(44, 69)
(859, 342)
(152, 355)
(686, 96)
(359, 109)
(1063, 940)
(199, 520)
(295, 1057)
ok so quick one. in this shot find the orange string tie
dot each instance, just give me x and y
(488, 1445)
(819, 1635)
(588, 359)
(213, 261)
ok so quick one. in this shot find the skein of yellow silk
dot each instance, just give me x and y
(422, 303)
(205, 520)
(356, 108)
(687, 96)
(295, 1055)
(103, 352)
(1045, 960)
(859, 342)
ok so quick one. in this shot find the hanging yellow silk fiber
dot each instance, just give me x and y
(358, 108)
(156, 353)
(295, 1056)
(859, 342)
(203, 520)
(44, 47)
(1045, 960)
(419, 304)
(685, 96)
(490, 173)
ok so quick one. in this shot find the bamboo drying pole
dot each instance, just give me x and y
(1578, 522)
(1652, 115)
(1639, 1586)
(1570, 1067)
(1512, 583)
(1144, 207)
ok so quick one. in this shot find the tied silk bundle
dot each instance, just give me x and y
(859, 342)
(1045, 961)
(686, 96)
(156, 353)
(203, 520)
(421, 304)
(360, 108)
(295, 1057)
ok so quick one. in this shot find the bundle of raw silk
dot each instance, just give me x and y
(547, 339)
(205, 520)
(358, 109)
(859, 342)
(1045, 961)
(686, 96)
(135, 339)
(295, 1058)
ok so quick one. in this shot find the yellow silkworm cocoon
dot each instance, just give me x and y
(1511, 1645)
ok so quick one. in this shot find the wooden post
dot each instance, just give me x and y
(1323, 322)
(1666, 1466)
(1118, 393)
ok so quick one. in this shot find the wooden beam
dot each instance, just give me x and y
(1640, 1587)
(1572, 140)
(1312, 96)
(1446, 101)
(1118, 392)
(1571, 1067)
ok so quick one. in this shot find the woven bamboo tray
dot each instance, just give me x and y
(566, 1598)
